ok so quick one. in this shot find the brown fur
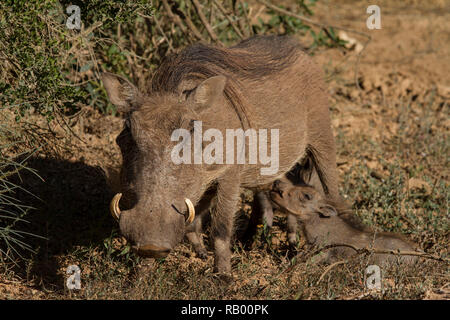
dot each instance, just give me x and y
(251, 59)
(322, 225)
(264, 82)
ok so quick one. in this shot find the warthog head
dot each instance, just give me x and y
(158, 195)
(303, 201)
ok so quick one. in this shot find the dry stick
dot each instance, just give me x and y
(369, 250)
(84, 33)
(121, 47)
(202, 17)
(62, 116)
(158, 25)
(233, 24)
(193, 28)
(329, 268)
(324, 27)
(359, 251)
(211, 13)
(236, 13)
(247, 20)
(175, 18)
(383, 251)
(190, 24)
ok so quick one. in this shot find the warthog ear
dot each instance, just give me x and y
(121, 92)
(208, 92)
(327, 211)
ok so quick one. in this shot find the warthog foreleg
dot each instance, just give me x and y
(222, 220)
(194, 236)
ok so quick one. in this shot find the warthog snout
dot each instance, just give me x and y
(144, 229)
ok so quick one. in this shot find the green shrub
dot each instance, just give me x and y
(49, 69)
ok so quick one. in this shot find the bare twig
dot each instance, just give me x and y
(382, 251)
(236, 13)
(202, 17)
(193, 28)
(60, 115)
(358, 251)
(190, 24)
(247, 20)
(212, 14)
(232, 22)
(329, 268)
(174, 17)
(158, 25)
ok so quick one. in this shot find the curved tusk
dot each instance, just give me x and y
(114, 206)
(191, 209)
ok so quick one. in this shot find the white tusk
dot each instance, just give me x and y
(114, 206)
(191, 209)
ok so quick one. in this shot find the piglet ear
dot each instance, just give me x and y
(327, 211)
(121, 92)
(208, 92)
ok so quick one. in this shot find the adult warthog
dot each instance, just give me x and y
(261, 83)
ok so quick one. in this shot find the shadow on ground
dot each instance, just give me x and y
(71, 209)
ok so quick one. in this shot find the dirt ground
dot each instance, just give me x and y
(390, 115)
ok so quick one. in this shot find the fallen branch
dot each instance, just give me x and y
(329, 268)
(365, 250)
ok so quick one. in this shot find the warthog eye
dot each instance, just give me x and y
(307, 196)
(187, 93)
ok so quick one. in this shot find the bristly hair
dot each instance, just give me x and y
(253, 58)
